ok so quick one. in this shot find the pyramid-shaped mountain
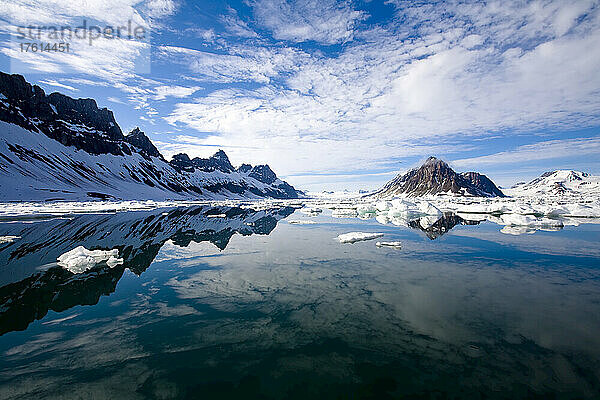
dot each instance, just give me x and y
(436, 177)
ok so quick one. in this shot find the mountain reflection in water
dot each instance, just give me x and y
(286, 311)
(138, 235)
(436, 227)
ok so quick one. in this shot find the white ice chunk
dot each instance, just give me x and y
(517, 230)
(395, 245)
(217, 216)
(301, 222)
(427, 208)
(428, 221)
(81, 259)
(366, 209)
(310, 210)
(382, 205)
(528, 220)
(358, 236)
(344, 213)
(8, 239)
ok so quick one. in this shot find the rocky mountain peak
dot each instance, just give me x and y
(72, 122)
(182, 162)
(263, 173)
(434, 177)
(138, 139)
(244, 168)
(431, 160)
(483, 183)
(217, 162)
(222, 161)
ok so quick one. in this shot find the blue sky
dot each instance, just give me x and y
(339, 94)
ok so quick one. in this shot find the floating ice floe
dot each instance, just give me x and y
(366, 209)
(311, 210)
(429, 209)
(344, 213)
(524, 220)
(301, 222)
(81, 259)
(8, 239)
(395, 245)
(517, 230)
(353, 237)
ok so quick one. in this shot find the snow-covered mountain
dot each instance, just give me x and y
(436, 177)
(559, 183)
(53, 147)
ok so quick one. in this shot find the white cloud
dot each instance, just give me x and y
(547, 150)
(115, 59)
(487, 70)
(324, 21)
(52, 82)
(115, 100)
(241, 64)
(236, 26)
(164, 91)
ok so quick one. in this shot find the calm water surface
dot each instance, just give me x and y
(247, 305)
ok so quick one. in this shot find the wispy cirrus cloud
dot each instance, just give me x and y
(114, 59)
(323, 21)
(54, 83)
(546, 150)
(423, 77)
(345, 86)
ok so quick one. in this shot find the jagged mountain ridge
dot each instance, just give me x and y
(559, 183)
(436, 177)
(53, 147)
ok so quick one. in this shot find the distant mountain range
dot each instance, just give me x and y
(54, 147)
(436, 177)
(562, 183)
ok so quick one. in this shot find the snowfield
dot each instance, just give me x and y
(37, 168)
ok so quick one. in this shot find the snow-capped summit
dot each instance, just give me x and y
(436, 177)
(559, 183)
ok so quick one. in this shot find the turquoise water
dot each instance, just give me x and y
(251, 306)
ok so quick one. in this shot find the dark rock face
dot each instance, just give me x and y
(482, 183)
(72, 122)
(435, 176)
(263, 173)
(217, 162)
(244, 168)
(182, 162)
(138, 139)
